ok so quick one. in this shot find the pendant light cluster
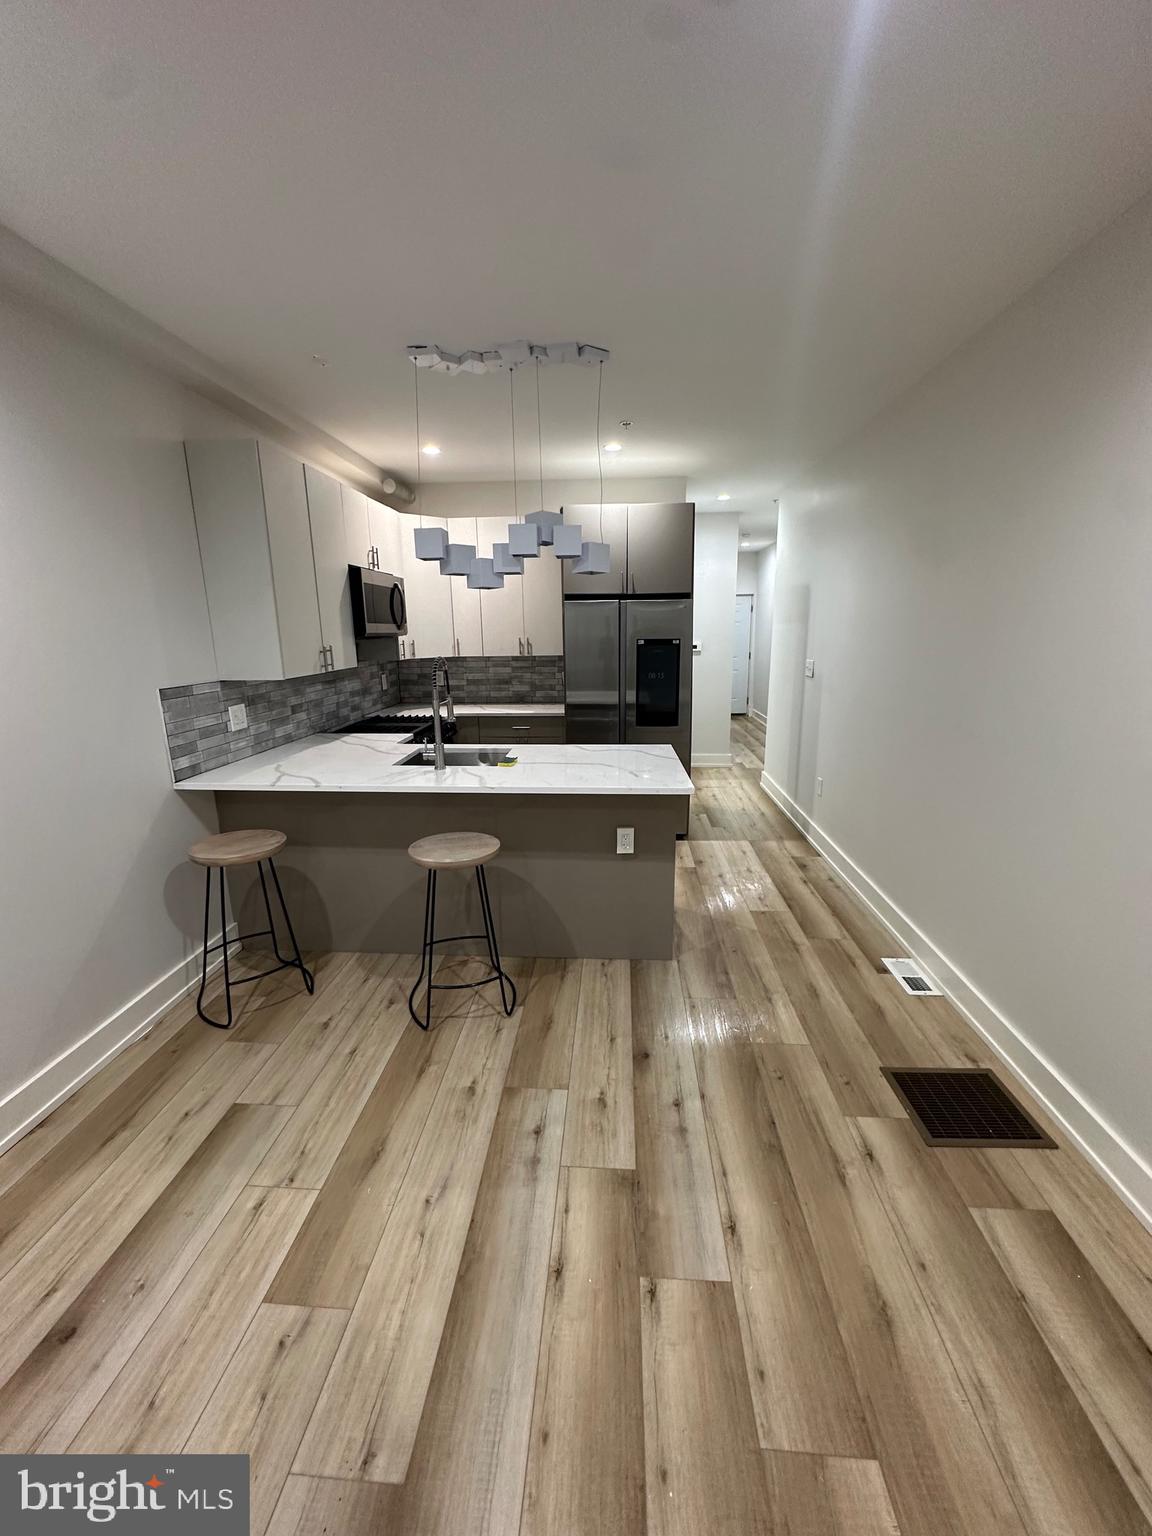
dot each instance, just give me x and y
(541, 528)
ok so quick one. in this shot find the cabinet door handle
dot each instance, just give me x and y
(331, 659)
(529, 645)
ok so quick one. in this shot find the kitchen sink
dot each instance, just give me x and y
(461, 757)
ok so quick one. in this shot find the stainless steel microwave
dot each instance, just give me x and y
(378, 606)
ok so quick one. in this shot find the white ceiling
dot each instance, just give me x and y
(776, 213)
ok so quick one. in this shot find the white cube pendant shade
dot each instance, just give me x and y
(431, 543)
(567, 541)
(483, 575)
(524, 539)
(595, 560)
(504, 563)
(458, 559)
(545, 521)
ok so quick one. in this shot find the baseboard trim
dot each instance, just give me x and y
(758, 717)
(28, 1103)
(1123, 1167)
(711, 759)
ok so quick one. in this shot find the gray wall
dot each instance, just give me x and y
(101, 603)
(973, 578)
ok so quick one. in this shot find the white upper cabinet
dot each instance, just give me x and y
(357, 532)
(501, 608)
(446, 617)
(329, 556)
(543, 599)
(467, 632)
(255, 544)
(388, 528)
(429, 601)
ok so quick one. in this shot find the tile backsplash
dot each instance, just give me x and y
(196, 715)
(487, 680)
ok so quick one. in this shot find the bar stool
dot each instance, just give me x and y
(224, 851)
(456, 850)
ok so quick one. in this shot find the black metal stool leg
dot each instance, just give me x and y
(283, 959)
(424, 953)
(224, 952)
(427, 955)
(204, 960)
(309, 979)
(490, 935)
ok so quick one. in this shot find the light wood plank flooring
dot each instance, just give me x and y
(660, 1254)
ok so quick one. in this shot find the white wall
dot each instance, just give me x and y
(762, 629)
(713, 612)
(973, 577)
(101, 603)
(493, 498)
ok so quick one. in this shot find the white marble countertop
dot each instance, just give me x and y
(369, 764)
(399, 711)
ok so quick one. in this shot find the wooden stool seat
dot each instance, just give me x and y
(454, 850)
(225, 849)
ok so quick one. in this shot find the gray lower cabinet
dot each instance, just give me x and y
(510, 730)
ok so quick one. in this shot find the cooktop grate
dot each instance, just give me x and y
(965, 1107)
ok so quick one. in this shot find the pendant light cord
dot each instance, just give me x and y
(512, 407)
(539, 434)
(599, 460)
(416, 395)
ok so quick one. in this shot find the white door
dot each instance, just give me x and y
(357, 534)
(501, 608)
(741, 653)
(329, 551)
(293, 571)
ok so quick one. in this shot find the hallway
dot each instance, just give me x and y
(662, 1253)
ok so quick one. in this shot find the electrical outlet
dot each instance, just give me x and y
(625, 839)
(237, 717)
(819, 786)
(809, 668)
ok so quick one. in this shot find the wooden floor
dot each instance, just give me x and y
(661, 1253)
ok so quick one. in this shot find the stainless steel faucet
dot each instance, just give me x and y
(440, 668)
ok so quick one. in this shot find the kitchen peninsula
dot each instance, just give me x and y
(350, 807)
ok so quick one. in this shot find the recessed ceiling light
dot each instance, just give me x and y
(613, 447)
(431, 449)
(724, 496)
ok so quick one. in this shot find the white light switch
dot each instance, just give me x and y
(237, 717)
(809, 668)
(625, 839)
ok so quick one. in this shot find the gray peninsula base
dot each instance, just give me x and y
(558, 885)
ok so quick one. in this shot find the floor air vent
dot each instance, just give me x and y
(965, 1107)
(912, 978)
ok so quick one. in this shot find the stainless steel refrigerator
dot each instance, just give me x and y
(628, 671)
(628, 631)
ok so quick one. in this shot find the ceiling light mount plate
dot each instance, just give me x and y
(507, 355)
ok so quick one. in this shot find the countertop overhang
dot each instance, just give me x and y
(368, 764)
